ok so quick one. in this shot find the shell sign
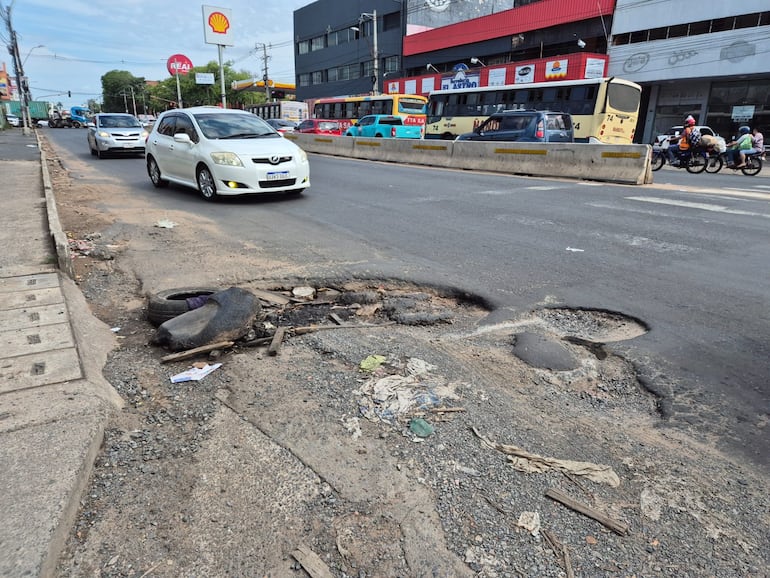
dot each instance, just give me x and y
(217, 25)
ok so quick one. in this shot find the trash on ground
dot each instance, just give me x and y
(195, 373)
(165, 224)
(372, 362)
(620, 528)
(387, 398)
(530, 521)
(525, 461)
(306, 293)
(420, 428)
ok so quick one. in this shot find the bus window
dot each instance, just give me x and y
(378, 107)
(489, 103)
(452, 105)
(410, 106)
(622, 97)
(364, 108)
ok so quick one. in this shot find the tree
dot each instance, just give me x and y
(164, 94)
(117, 88)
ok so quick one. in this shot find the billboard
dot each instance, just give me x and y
(423, 15)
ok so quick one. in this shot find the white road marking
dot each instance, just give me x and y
(700, 206)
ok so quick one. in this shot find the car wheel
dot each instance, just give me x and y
(206, 184)
(171, 303)
(99, 154)
(154, 171)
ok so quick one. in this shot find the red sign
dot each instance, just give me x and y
(178, 64)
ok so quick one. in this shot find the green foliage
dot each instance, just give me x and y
(117, 86)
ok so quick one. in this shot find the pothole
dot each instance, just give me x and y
(596, 325)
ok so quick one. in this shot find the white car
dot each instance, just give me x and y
(116, 133)
(224, 152)
(13, 120)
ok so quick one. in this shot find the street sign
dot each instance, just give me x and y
(216, 26)
(204, 78)
(178, 64)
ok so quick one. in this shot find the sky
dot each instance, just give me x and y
(84, 39)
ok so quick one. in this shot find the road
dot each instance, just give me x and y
(687, 256)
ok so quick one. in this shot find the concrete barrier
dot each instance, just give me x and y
(628, 164)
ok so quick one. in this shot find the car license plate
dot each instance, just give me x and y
(128, 145)
(278, 176)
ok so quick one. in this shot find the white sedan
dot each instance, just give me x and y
(223, 152)
(13, 120)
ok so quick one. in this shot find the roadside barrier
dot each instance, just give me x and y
(627, 164)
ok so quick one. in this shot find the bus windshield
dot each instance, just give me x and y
(622, 97)
(411, 106)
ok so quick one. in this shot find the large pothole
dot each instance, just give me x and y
(596, 325)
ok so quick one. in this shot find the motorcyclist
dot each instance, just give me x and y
(690, 137)
(737, 148)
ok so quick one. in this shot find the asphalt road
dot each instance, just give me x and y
(688, 256)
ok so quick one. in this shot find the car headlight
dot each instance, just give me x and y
(229, 159)
(302, 155)
(104, 134)
(145, 134)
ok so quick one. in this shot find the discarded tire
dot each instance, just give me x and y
(173, 302)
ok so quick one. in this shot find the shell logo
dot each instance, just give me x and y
(219, 22)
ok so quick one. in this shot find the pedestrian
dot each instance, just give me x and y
(737, 148)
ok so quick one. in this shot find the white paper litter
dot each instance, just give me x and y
(194, 373)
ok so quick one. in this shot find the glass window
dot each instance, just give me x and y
(166, 126)
(317, 43)
(185, 125)
(303, 47)
(331, 74)
(623, 98)
(304, 79)
(318, 77)
(332, 39)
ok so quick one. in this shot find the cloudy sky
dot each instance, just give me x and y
(83, 39)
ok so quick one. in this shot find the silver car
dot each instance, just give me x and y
(115, 133)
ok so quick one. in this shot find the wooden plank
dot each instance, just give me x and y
(193, 352)
(312, 563)
(620, 528)
(275, 344)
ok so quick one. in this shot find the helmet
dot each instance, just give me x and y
(744, 130)
(689, 121)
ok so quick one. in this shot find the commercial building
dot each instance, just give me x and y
(713, 67)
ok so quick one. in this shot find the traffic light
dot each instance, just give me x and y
(69, 94)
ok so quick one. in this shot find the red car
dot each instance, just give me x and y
(320, 126)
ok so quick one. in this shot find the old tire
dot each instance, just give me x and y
(171, 303)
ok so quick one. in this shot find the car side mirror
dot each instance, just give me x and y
(182, 137)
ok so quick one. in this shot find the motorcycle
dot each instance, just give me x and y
(752, 167)
(694, 161)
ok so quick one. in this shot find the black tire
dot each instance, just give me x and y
(99, 154)
(171, 303)
(714, 164)
(153, 170)
(207, 186)
(753, 166)
(658, 160)
(697, 164)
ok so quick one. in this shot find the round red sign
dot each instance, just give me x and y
(178, 64)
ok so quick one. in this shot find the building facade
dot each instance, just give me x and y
(711, 63)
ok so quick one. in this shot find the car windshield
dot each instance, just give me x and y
(119, 122)
(216, 125)
(328, 126)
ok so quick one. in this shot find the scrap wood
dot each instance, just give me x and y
(275, 343)
(311, 328)
(560, 550)
(193, 352)
(446, 409)
(312, 562)
(336, 318)
(525, 461)
(620, 528)
(271, 297)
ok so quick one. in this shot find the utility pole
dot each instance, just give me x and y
(265, 77)
(19, 70)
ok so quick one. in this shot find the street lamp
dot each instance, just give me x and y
(429, 66)
(475, 60)
(375, 48)
(30, 52)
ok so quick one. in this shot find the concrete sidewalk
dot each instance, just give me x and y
(54, 403)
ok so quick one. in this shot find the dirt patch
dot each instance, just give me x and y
(230, 475)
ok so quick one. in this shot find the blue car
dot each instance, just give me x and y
(384, 126)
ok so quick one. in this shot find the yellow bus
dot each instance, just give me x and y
(604, 110)
(346, 109)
